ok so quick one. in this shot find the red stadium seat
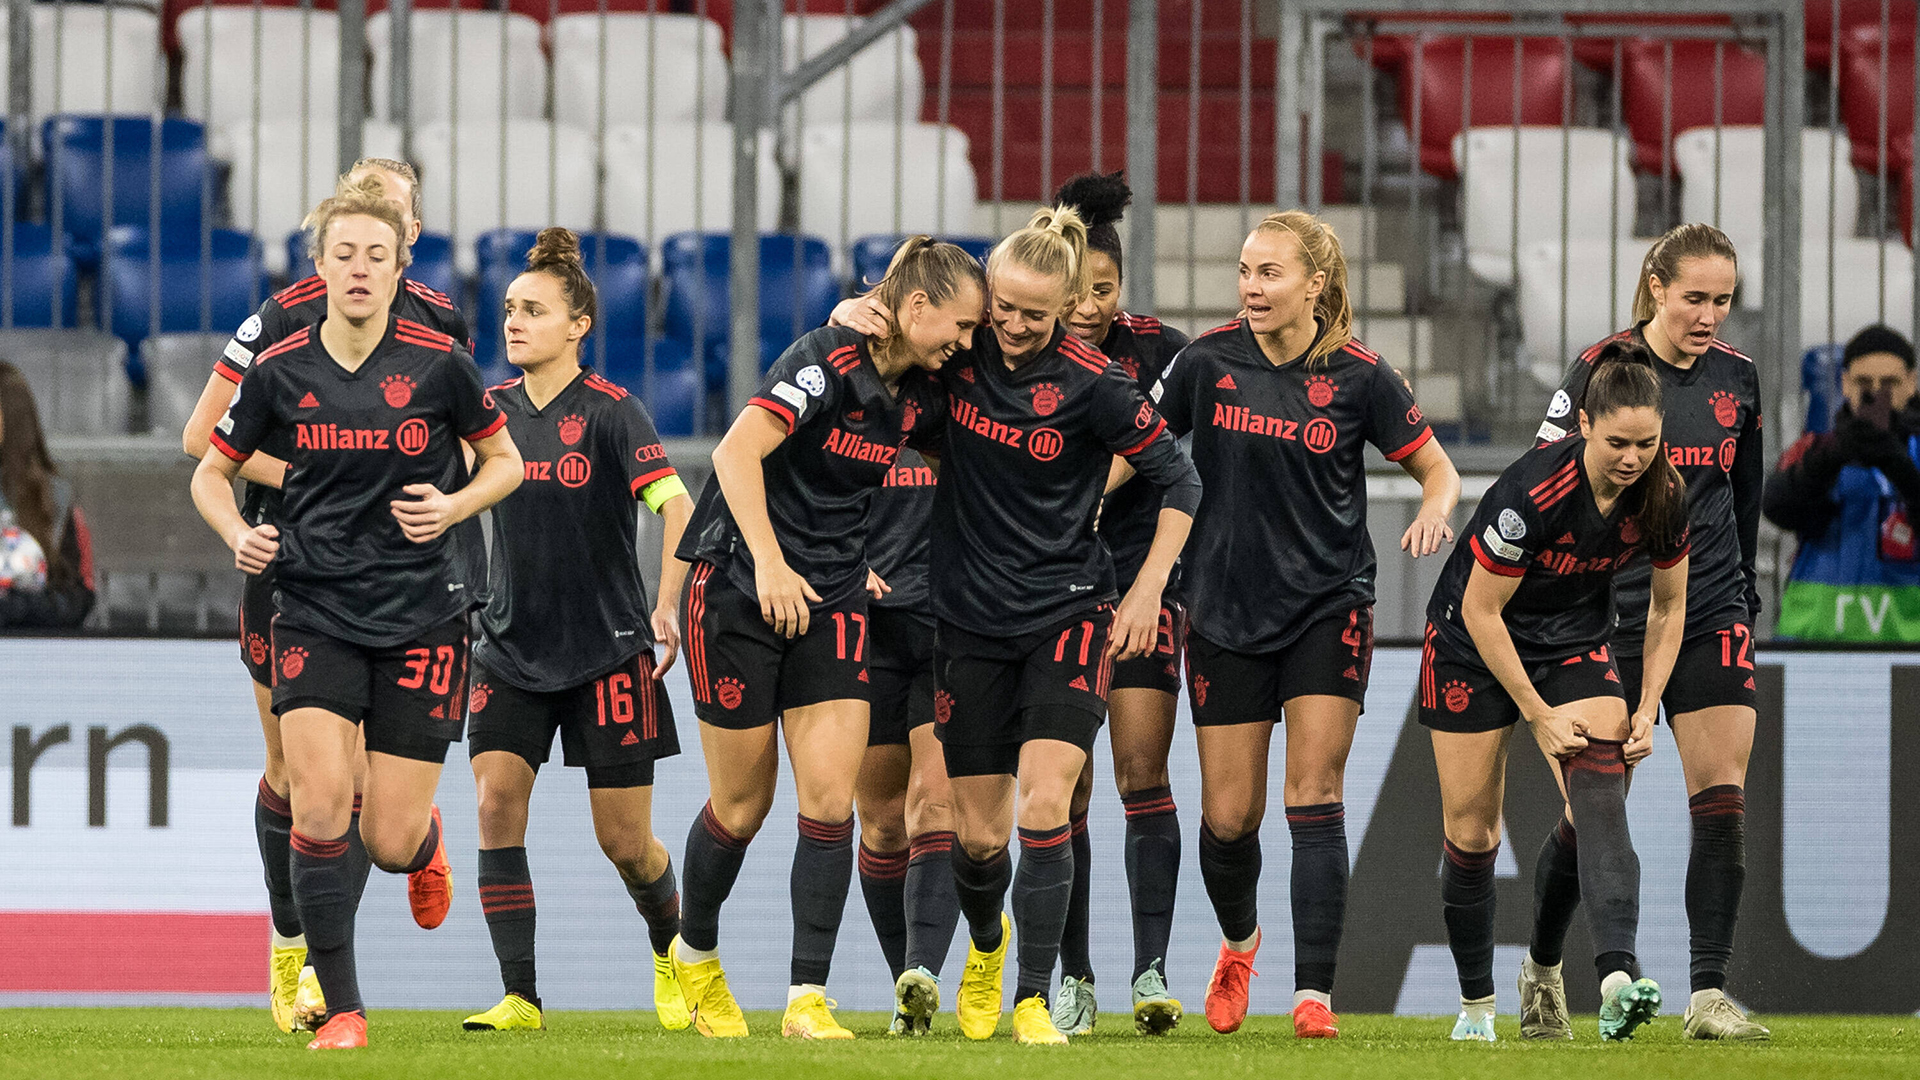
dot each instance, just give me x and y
(1644, 93)
(1597, 52)
(1853, 14)
(1862, 91)
(1390, 51)
(1541, 72)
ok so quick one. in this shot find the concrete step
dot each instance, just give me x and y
(1215, 287)
(1217, 229)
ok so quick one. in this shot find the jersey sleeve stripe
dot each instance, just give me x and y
(1480, 556)
(225, 371)
(287, 344)
(1081, 353)
(1558, 477)
(778, 409)
(221, 444)
(652, 477)
(429, 294)
(844, 359)
(301, 291)
(1552, 498)
(1668, 564)
(1158, 427)
(499, 421)
(1593, 350)
(1234, 325)
(1420, 440)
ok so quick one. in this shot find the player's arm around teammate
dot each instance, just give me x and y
(371, 626)
(776, 612)
(567, 639)
(1518, 630)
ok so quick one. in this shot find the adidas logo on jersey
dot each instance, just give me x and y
(439, 713)
(1080, 683)
(1225, 383)
(1567, 539)
(863, 675)
(1351, 673)
(630, 739)
(309, 402)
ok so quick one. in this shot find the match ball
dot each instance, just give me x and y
(23, 565)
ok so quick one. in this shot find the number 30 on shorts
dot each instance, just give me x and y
(440, 661)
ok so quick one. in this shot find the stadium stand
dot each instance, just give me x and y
(466, 65)
(75, 148)
(669, 67)
(882, 82)
(1865, 91)
(924, 189)
(514, 174)
(207, 283)
(177, 366)
(37, 279)
(667, 178)
(92, 58)
(225, 81)
(1496, 222)
(269, 192)
(797, 292)
(78, 378)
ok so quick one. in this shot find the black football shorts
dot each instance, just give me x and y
(1713, 669)
(409, 699)
(1458, 694)
(745, 675)
(992, 695)
(1332, 658)
(901, 667)
(615, 726)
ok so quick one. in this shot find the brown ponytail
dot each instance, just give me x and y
(556, 253)
(1690, 241)
(923, 264)
(1320, 250)
(1623, 377)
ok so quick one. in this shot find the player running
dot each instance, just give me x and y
(566, 639)
(301, 305)
(1140, 704)
(371, 628)
(1026, 631)
(1710, 395)
(776, 612)
(1282, 403)
(1519, 629)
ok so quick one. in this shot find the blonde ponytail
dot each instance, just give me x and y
(1054, 244)
(1321, 252)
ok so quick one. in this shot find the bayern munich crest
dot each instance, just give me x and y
(1726, 408)
(398, 390)
(572, 429)
(1046, 398)
(1320, 391)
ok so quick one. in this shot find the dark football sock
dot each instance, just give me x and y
(428, 845)
(272, 830)
(1609, 868)
(1319, 888)
(1231, 871)
(1153, 871)
(822, 870)
(1041, 889)
(658, 902)
(883, 881)
(1556, 893)
(981, 885)
(323, 887)
(1076, 948)
(713, 863)
(1466, 896)
(506, 898)
(1716, 871)
(932, 905)
(358, 861)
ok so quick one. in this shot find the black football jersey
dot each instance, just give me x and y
(1142, 346)
(1711, 432)
(844, 432)
(1026, 461)
(354, 439)
(567, 601)
(1281, 540)
(898, 532)
(1538, 522)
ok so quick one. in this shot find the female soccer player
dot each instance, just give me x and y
(1141, 702)
(1710, 394)
(776, 613)
(566, 639)
(1518, 628)
(1022, 590)
(1282, 403)
(301, 305)
(371, 628)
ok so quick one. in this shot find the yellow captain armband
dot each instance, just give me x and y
(657, 493)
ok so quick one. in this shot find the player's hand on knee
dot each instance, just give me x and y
(427, 515)
(1561, 734)
(254, 548)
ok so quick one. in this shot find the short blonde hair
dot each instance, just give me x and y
(368, 196)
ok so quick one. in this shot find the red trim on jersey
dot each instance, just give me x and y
(1675, 561)
(1139, 324)
(225, 371)
(1429, 699)
(301, 291)
(1486, 560)
(1158, 427)
(286, 344)
(1421, 440)
(778, 409)
(428, 293)
(1726, 348)
(1083, 354)
(1593, 350)
(515, 381)
(1361, 351)
(696, 633)
(844, 359)
(1234, 325)
(414, 333)
(221, 444)
(499, 421)
(595, 381)
(1555, 487)
(653, 477)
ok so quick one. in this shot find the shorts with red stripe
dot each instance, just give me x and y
(256, 624)
(614, 726)
(901, 664)
(745, 675)
(1714, 669)
(410, 699)
(992, 695)
(1159, 669)
(1458, 694)
(1331, 658)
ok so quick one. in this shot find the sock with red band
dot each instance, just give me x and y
(1041, 888)
(1153, 871)
(324, 888)
(713, 863)
(1466, 898)
(1609, 868)
(1319, 891)
(1076, 948)
(506, 898)
(1556, 893)
(932, 904)
(822, 870)
(272, 831)
(1716, 872)
(883, 881)
(658, 902)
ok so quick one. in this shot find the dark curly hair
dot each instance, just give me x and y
(1102, 199)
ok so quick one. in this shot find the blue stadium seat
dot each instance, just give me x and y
(76, 154)
(432, 261)
(695, 267)
(41, 274)
(871, 254)
(1820, 385)
(210, 296)
(617, 264)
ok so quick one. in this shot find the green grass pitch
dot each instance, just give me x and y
(162, 1044)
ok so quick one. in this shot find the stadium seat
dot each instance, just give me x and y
(673, 396)
(1824, 169)
(432, 261)
(512, 174)
(1856, 289)
(267, 192)
(177, 366)
(1593, 309)
(793, 299)
(1820, 385)
(903, 180)
(686, 185)
(1863, 91)
(499, 69)
(209, 295)
(617, 264)
(871, 254)
(1484, 159)
(79, 378)
(38, 280)
(76, 164)
(669, 67)
(1853, 14)
(881, 82)
(242, 65)
(1442, 91)
(1654, 114)
(76, 69)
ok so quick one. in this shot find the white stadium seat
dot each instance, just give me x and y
(688, 184)
(1590, 314)
(466, 65)
(226, 91)
(876, 155)
(1856, 292)
(128, 78)
(881, 82)
(670, 67)
(513, 174)
(269, 192)
(1485, 158)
